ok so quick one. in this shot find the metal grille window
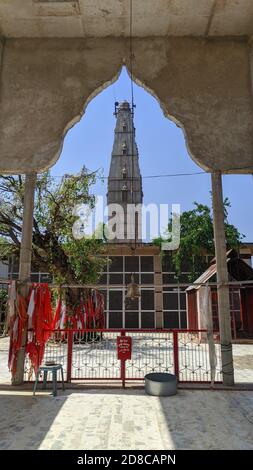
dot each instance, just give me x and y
(35, 276)
(169, 278)
(183, 300)
(171, 320)
(174, 299)
(115, 300)
(115, 320)
(174, 308)
(147, 299)
(169, 274)
(132, 264)
(147, 320)
(119, 311)
(235, 309)
(183, 319)
(167, 264)
(116, 264)
(116, 278)
(103, 279)
(147, 264)
(170, 300)
(132, 320)
(132, 304)
(147, 278)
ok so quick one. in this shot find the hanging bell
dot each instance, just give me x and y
(133, 291)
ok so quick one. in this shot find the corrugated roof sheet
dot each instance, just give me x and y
(204, 277)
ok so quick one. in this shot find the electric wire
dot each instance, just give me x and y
(132, 110)
(169, 175)
(166, 175)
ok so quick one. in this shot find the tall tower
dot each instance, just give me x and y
(124, 182)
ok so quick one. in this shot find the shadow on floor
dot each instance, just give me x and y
(24, 422)
(126, 419)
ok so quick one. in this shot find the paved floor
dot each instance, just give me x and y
(117, 419)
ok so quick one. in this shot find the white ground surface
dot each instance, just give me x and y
(126, 419)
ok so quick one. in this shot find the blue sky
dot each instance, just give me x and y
(162, 150)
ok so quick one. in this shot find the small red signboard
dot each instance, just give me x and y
(124, 347)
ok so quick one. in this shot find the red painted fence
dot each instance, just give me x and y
(92, 355)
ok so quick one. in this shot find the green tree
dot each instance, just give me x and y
(197, 240)
(55, 250)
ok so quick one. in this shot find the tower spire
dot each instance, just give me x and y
(124, 182)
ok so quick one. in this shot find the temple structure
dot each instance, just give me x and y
(162, 303)
(124, 182)
(127, 254)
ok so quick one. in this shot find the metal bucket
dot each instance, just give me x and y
(160, 384)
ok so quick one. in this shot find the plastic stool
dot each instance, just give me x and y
(45, 369)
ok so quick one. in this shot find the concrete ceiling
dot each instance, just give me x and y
(99, 18)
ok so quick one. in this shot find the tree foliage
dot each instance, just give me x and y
(197, 240)
(54, 248)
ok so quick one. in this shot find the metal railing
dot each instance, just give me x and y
(91, 355)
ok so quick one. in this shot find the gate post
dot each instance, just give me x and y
(70, 351)
(123, 367)
(222, 280)
(25, 258)
(123, 372)
(175, 353)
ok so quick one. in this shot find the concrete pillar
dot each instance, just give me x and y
(222, 277)
(158, 281)
(25, 263)
(1, 58)
(251, 61)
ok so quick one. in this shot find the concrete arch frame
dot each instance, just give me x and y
(203, 85)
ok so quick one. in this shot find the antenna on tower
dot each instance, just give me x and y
(133, 106)
(116, 104)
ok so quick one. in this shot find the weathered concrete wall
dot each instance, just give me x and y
(46, 85)
(1, 60)
(251, 63)
(1, 50)
(203, 85)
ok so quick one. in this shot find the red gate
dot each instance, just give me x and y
(92, 355)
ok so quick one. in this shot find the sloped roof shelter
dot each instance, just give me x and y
(241, 296)
(238, 270)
